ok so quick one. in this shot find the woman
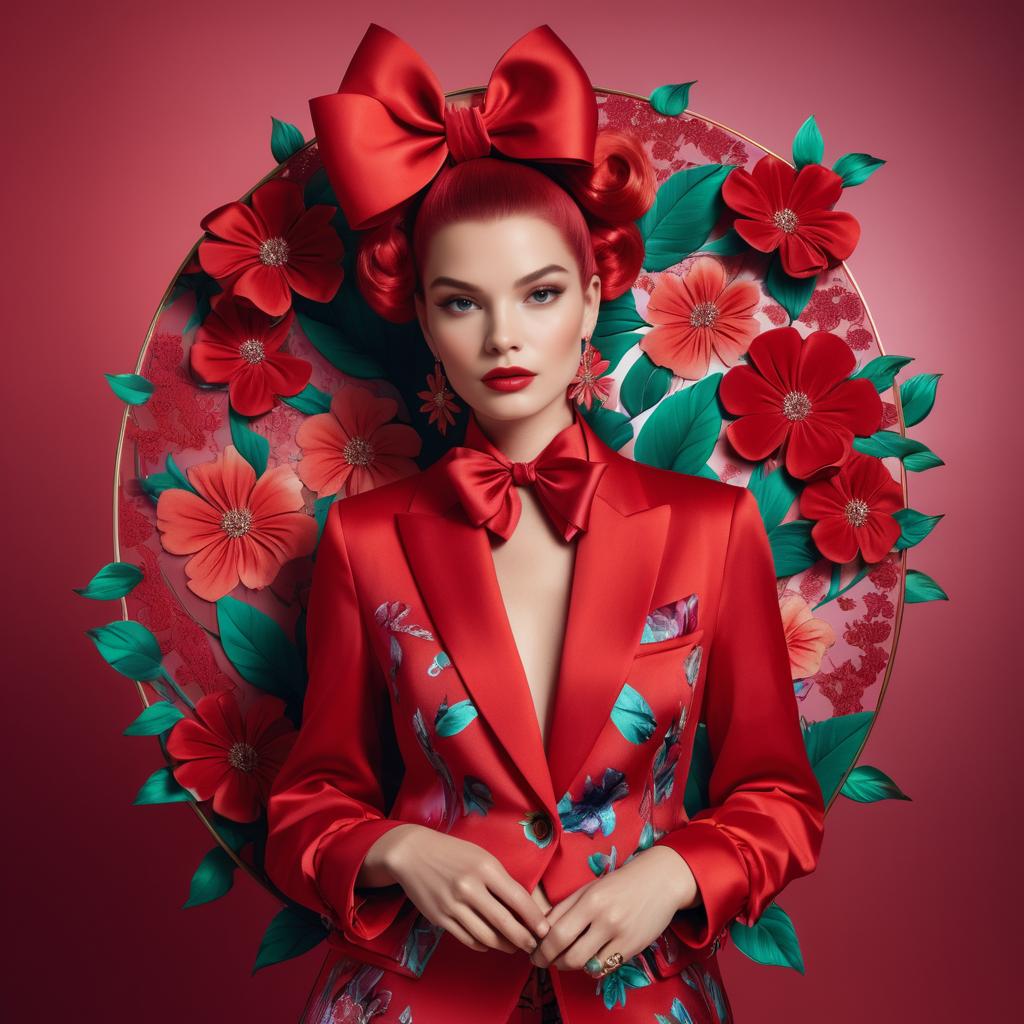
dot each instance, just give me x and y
(509, 652)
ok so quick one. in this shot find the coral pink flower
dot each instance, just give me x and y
(232, 757)
(797, 393)
(792, 211)
(240, 346)
(238, 529)
(355, 446)
(853, 510)
(699, 314)
(273, 247)
(589, 385)
(806, 636)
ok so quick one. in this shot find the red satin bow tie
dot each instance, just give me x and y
(386, 132)
(565, 486)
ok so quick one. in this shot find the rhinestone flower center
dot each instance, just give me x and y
(704, 314)
(274, 252)
(243, 756)
(856, 512)
(796, 406)
(252, 350)
(358, 451)
(786, 220)
(236, 522)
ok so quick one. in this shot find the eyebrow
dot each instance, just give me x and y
(454, 283)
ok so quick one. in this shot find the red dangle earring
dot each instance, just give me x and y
(588, 385)
(438, 399)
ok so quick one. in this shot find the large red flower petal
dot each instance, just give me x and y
(744, 391)
(835, 232)
(776, 355)
(265, 287)
(800, 256)
(756, 436)
(223, 259)
(877, 536)
(776, 179)
(236, 798)
(202, 776)
(855, 404)
(279, 204)
(759, 234)
(815, 445)
(816, 188)
(835, 539)
(825, 360)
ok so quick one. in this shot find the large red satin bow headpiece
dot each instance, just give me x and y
(386, 132)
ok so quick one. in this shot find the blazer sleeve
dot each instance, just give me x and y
(326, 805)
(766, 820)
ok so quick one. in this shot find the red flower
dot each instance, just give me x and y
(273, 247)
(588, 385)
(231, 757)
(798, 394)
(853, 510)
(240, 346)
(437, 400)
(792, 212)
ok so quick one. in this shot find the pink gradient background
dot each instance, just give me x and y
(906, 918)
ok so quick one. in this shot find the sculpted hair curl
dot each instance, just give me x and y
(594, 208)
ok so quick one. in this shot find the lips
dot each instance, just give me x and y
(508, 371)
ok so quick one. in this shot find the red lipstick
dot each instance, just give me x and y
(508, 378)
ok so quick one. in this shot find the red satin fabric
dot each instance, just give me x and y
(562, 477)
(406, 621)
(386, 132)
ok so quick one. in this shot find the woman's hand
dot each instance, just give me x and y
(462, 888)
(620, 912)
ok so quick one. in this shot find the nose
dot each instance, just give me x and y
(500, 333)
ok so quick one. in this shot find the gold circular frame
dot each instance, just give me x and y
(449, 95)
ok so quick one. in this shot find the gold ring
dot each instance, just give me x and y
(611, 962)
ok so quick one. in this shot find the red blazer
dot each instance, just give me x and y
(418, 710)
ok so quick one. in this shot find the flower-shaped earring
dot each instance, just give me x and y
(588, 385)
(438, 399)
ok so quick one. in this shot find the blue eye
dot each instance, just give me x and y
(549, 291)
(457, 298)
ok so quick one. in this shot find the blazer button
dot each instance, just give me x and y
(542, 827)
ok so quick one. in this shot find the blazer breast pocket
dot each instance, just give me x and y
(670, 626)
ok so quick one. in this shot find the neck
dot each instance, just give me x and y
(523, 439)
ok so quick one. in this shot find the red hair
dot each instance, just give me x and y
(593, 207)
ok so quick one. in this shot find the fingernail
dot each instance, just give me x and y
(544, 928)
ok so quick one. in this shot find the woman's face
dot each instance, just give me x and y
(502, 293)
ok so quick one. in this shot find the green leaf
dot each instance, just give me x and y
(866, 785)
(770, 940)
(455, 718)
(129, 648)
(728, 244)
(253, 447)
(633, 716)
(310, 400)
(682, 431)
(617, 326)
(855, 168)
(292, 932)
(285, 140)
(924, 458)
(833, 746)
(808, 145)
(212, 879)
(162, 788)
(695, 796)
(792, 293)
(921, 588)
(915, 526)
(259, 650)
(114, 580)
(882, 370)
(131, 388)
(156, 719)
(684, 211)
(884, 444)
(613, 427)
(917, 396)
(340, 350)
(775, 494)
(793, 548)
(671, 100)
(644, 385)
(179, 477)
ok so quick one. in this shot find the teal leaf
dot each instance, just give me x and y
(611, 426)
(617, 325)
(833, 746)
(156, 719)
(695, 795)
(917, 396)
(259, 650)
(793, 547)
(921, 588)
(476, 796)
(682, 431)
(341, 350)
(728, 244)
(179, 476)
(685, 209)
(915, 526)
(614, 984)
(253, 447)
(114, 580)
(866, 785)
(770, 940)
(162, 788)
(671, 100)
(808, 145)
(129, 648)
(633, 716)
(131, 388)
(855, 168)
(310, 400)
(884, 444)
(775, 494)
(791, 293)
(645, 385)
(285, 140)
(455, 718)
(294, 931)
(212, 879)
(882, 370)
